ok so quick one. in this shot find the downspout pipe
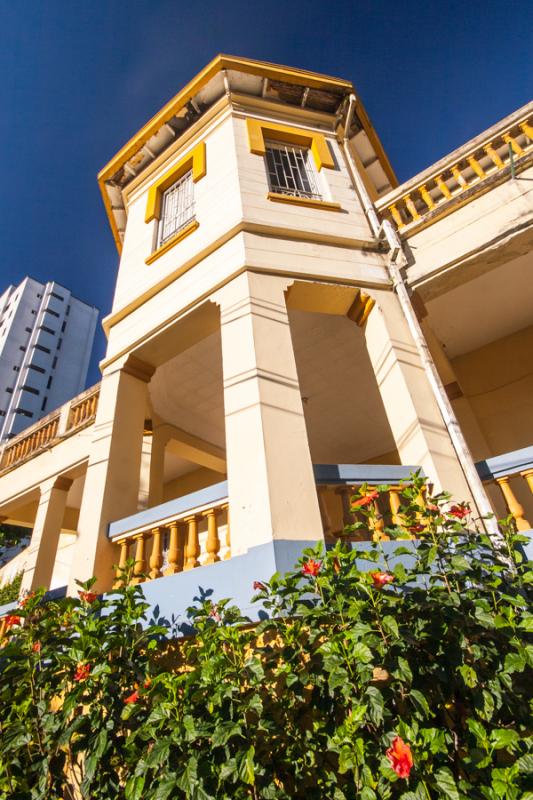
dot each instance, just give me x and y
(455, 433)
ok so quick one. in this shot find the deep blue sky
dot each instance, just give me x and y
(79, 77)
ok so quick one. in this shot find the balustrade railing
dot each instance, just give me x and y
(177, 536)
(462, 175)
(507, 472)
(83, 408)
(337, 483)
(31, 441)
(77, 413)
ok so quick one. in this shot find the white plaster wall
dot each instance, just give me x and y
(335, 183)
(217, 207)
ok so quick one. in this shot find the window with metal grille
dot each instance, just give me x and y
(177, 208)
(291, 171)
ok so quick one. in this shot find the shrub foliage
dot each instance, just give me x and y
(392, 671)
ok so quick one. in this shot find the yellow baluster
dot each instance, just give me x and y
(120, 578)
(378, 525)
(508, 139)
(411, 207)
(192, 551)
(441, 183)
(395, 503)
(213, 542)
(476, 166)
(527, 129)
(156, 558)
(426, 197)
(397, 217)
(513, 505)
(140, 559)
(493, 155)
(228, 534)
(175, 550)
(528, 475)
(456, 172)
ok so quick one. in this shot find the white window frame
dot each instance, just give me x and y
(177, 209)
(291, 171)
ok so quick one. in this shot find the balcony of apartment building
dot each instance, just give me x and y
(466, 225)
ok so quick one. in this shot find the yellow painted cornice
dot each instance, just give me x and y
(221, 62)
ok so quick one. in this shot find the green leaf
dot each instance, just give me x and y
(469, 675)
(404, 671)
(134, 787)
(390, 626)
(514, 662)
(525, 764)
(479, 731)
(246, 770)
(375, 704)
(502, 738)
(446, 783)
(420, 702)
(362, 653)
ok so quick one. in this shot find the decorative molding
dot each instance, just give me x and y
(178, 237)
(258, 130)
(195, 161)
(325, 205)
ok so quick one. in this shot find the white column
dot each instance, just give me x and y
(45, 536)
(272, 491)
(112, 483)
(416, 423)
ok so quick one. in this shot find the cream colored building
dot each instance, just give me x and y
(287, 323)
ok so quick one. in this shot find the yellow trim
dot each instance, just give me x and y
(219, 63)
(182, 234)
(277, 197)
(316, 142)
(194, 160)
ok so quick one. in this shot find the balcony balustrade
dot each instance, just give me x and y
(176, 536)
(77, 414)
(337, 483)
(194, 530)
(460, 178)
(503, 471)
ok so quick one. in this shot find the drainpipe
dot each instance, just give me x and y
(450, 420)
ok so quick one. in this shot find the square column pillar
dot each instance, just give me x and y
(44, 539)
(111, 489)
(272, 490)
(414, 417)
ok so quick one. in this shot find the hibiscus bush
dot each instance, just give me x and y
(398, 669)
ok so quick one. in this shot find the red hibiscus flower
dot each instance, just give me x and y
(416, 528)
(87, 597)
(36, 647)
(460, 511)
(12, 619)
(381, 579)
(400, 757)
(259, 586)
(311, 567)
(365, 500)
(133, 697)
(24, 600)
(82, 672)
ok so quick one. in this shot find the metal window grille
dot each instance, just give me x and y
(291, 171)
(178, 208)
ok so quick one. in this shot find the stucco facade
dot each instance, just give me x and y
(284, 345)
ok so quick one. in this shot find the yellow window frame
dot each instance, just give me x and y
(195, 161)
(259, 130)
